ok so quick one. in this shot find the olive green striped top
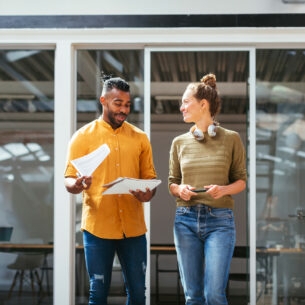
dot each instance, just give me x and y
(215, 160)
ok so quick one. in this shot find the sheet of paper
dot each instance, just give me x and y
(87, 164)
(123, 185)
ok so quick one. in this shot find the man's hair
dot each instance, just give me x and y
(114, 82)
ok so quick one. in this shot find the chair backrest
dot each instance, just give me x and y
(241, 252)
(27, 261)
(6, 233)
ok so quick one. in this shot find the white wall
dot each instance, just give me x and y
(144, 7)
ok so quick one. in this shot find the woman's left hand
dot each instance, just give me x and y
(215, 191)
(218, 191)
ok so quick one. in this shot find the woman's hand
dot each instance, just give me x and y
(215, 191)
(218, 191)
(185, 192)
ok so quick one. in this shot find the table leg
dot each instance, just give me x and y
(274, 281)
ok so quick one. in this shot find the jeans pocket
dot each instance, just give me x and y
(221, 213)
(181, 211)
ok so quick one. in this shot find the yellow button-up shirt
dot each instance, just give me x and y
(112, 216)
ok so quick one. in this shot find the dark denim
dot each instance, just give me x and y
(99, 255)
(205, 240)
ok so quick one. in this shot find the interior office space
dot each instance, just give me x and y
(49, 86)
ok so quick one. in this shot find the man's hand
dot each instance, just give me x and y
(143, 196)
(77, 185)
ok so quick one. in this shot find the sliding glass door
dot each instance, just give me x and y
(171, 71)
(26, 173)
(91, 66)
(280, 163)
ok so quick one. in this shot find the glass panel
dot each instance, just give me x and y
(170, 74)
(127, 64)
(280, 172)
(26, 174)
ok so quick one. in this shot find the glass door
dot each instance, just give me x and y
(91, 65)
(171, 71)
(26, 174)
(280, 156)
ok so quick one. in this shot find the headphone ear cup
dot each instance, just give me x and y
(197, 133)
(212, 130)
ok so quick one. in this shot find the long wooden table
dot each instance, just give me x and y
(41, 248)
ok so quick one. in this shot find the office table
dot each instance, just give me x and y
(44, 249)
(274, 254)
(40, 248)
(47, 249)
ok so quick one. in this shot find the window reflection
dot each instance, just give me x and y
(26, 163)
(280, 168)
(91, 65)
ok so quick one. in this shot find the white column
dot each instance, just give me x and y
(252, 175)
(64, 211)
(147, 123)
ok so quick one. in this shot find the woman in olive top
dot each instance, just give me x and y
(206, 166)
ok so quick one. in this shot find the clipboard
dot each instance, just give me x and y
(122, 185)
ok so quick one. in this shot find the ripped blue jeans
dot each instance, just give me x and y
(99, 255)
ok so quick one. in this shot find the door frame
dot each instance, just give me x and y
(251, 159)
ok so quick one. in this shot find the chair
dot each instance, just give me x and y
(6, 233)
(26, 266)
(46, 268)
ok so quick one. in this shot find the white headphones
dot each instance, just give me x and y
(199, 135)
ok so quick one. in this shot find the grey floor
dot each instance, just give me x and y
(164, 299)
(27, 299)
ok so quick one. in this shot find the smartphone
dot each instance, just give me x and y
(199, 190)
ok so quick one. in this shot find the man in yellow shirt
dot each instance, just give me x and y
(113, 223)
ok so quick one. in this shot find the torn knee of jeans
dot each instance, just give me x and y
(99, 277)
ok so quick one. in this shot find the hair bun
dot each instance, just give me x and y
(210, 80)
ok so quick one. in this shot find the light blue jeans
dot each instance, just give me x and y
(99, 255)
(204, 239)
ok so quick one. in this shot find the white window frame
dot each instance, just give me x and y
(66, 42)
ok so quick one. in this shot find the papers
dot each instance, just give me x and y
(123, 185)
(87, 164)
